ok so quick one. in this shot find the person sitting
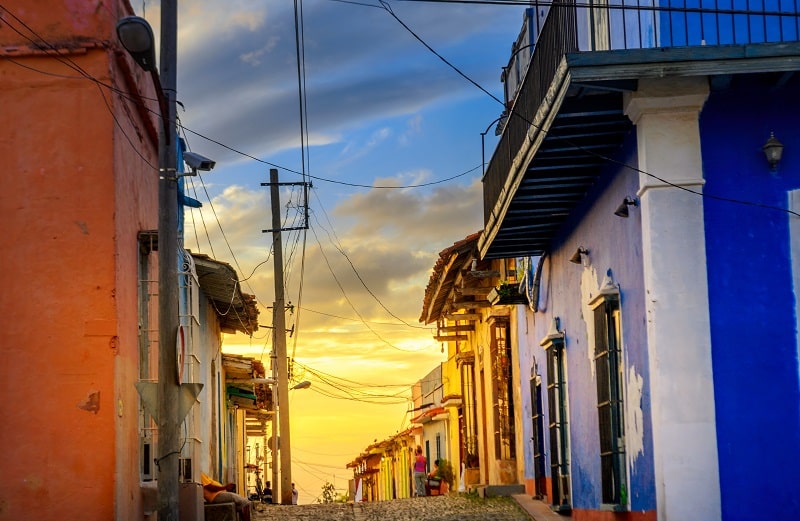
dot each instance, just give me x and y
(433, 482)
(266, 495)
(216, 492)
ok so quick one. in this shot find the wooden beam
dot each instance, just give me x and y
(451, 338)
(475, 291)
(457, 329)
(487, 274)
(468, 304)
(463, 316)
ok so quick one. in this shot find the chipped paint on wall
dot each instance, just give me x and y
(91, 403)
(634, 417)
(589, 287)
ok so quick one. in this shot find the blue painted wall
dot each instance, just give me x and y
(614, 243)
(752, 302)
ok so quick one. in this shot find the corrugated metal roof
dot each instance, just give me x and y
(237, 310)
(585, 132)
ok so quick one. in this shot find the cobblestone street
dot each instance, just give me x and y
(453, 507)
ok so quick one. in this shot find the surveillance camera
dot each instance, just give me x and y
(198, 162)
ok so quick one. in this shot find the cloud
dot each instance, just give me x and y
(254, 57)
(238, 68)
(380, 109)
(368, 260)
(413, 128)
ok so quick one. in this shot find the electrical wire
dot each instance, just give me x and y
(350, 302)
(318, 372)
(351, 319)
(387, 8)
(338, 245)
(603, 157)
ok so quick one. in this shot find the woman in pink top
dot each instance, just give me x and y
(420, 472)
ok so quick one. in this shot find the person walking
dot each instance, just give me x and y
(420, 472)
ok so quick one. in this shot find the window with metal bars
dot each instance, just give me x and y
(148, 348)
(503, 390)
(189, 302)
(469, 424)
(558, 426)
(611, 427)
(537, 440)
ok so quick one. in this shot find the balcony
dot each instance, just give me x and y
(566, 120)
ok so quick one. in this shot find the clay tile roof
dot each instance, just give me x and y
(445, 272)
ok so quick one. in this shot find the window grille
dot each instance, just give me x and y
(148, 348)
(558, 425)
(611, 428)
(503, 390)
(537, 422)
(469, 424)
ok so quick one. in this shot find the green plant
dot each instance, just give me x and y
(446, 473)
(507, 289)
(503, 289)
(328, 493)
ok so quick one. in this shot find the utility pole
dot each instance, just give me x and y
(279, 344)
(274, 420)
(168, 384)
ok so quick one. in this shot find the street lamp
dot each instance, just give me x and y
(497, 131)
(136, 36)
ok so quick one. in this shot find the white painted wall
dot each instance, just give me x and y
(794, 245)
(666, 114)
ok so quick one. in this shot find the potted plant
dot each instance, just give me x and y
(446, 474)
(506, 293)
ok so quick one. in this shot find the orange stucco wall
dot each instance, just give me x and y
(74, 193)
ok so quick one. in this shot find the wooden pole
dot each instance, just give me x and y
(279, 336)
(275, 474)
(168, 384)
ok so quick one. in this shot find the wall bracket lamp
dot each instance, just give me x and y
(773, 150)
(622, 209)
(577, 257)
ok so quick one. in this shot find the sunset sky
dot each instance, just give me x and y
(393, 149)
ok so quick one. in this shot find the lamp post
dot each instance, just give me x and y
(137, 37)
(483, 139)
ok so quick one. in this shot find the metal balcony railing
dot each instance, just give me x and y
(571, 26)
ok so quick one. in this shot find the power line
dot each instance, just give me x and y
(338, 245)
(386, 7)
(370, 321)
(352, 306)
(569, 141)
